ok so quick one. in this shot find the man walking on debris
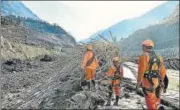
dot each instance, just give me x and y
(151, 73)
(115, 74)
(89, 65)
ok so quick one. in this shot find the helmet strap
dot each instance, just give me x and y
(147, 48)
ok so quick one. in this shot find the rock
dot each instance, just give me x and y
(85, 100)
(47, 58)
(63, 79)
(127, 90)
(14, 65)
(138, 102)
(126, 95)
(77, 100)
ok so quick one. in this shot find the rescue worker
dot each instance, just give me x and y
(115, 74)
(89, 65)
(151, 73)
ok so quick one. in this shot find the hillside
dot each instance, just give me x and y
(25, 35)
(34, 33)
(16, 8)
(126, 27)
(165, 34)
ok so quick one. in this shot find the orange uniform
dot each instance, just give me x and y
(151, 100)
(115, 83)
(91, 69)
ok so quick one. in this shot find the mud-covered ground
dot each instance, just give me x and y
(24, 81)
(56, 84)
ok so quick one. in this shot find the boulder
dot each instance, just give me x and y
(47, 58)
(85, 100)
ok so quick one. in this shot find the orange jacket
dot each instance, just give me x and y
(143, 66)
(88, 56)
(111, 72)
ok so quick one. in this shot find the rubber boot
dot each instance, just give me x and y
(109, 99)
(94, 84)
(117, 99)
(161, 108)
(88, 85)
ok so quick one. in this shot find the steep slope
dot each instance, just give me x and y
(26, 36)
(173, 17)
(32, 34)
(165, 34)
(126, 27)
(16, 8)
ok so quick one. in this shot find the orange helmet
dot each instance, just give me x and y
(116, 59)
(148, 43)
(89, 47)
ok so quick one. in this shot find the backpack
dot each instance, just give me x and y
(153, 72)
(118, 71)
(154, 69)
(154, 61)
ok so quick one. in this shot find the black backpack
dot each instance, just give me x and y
(153, 56)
